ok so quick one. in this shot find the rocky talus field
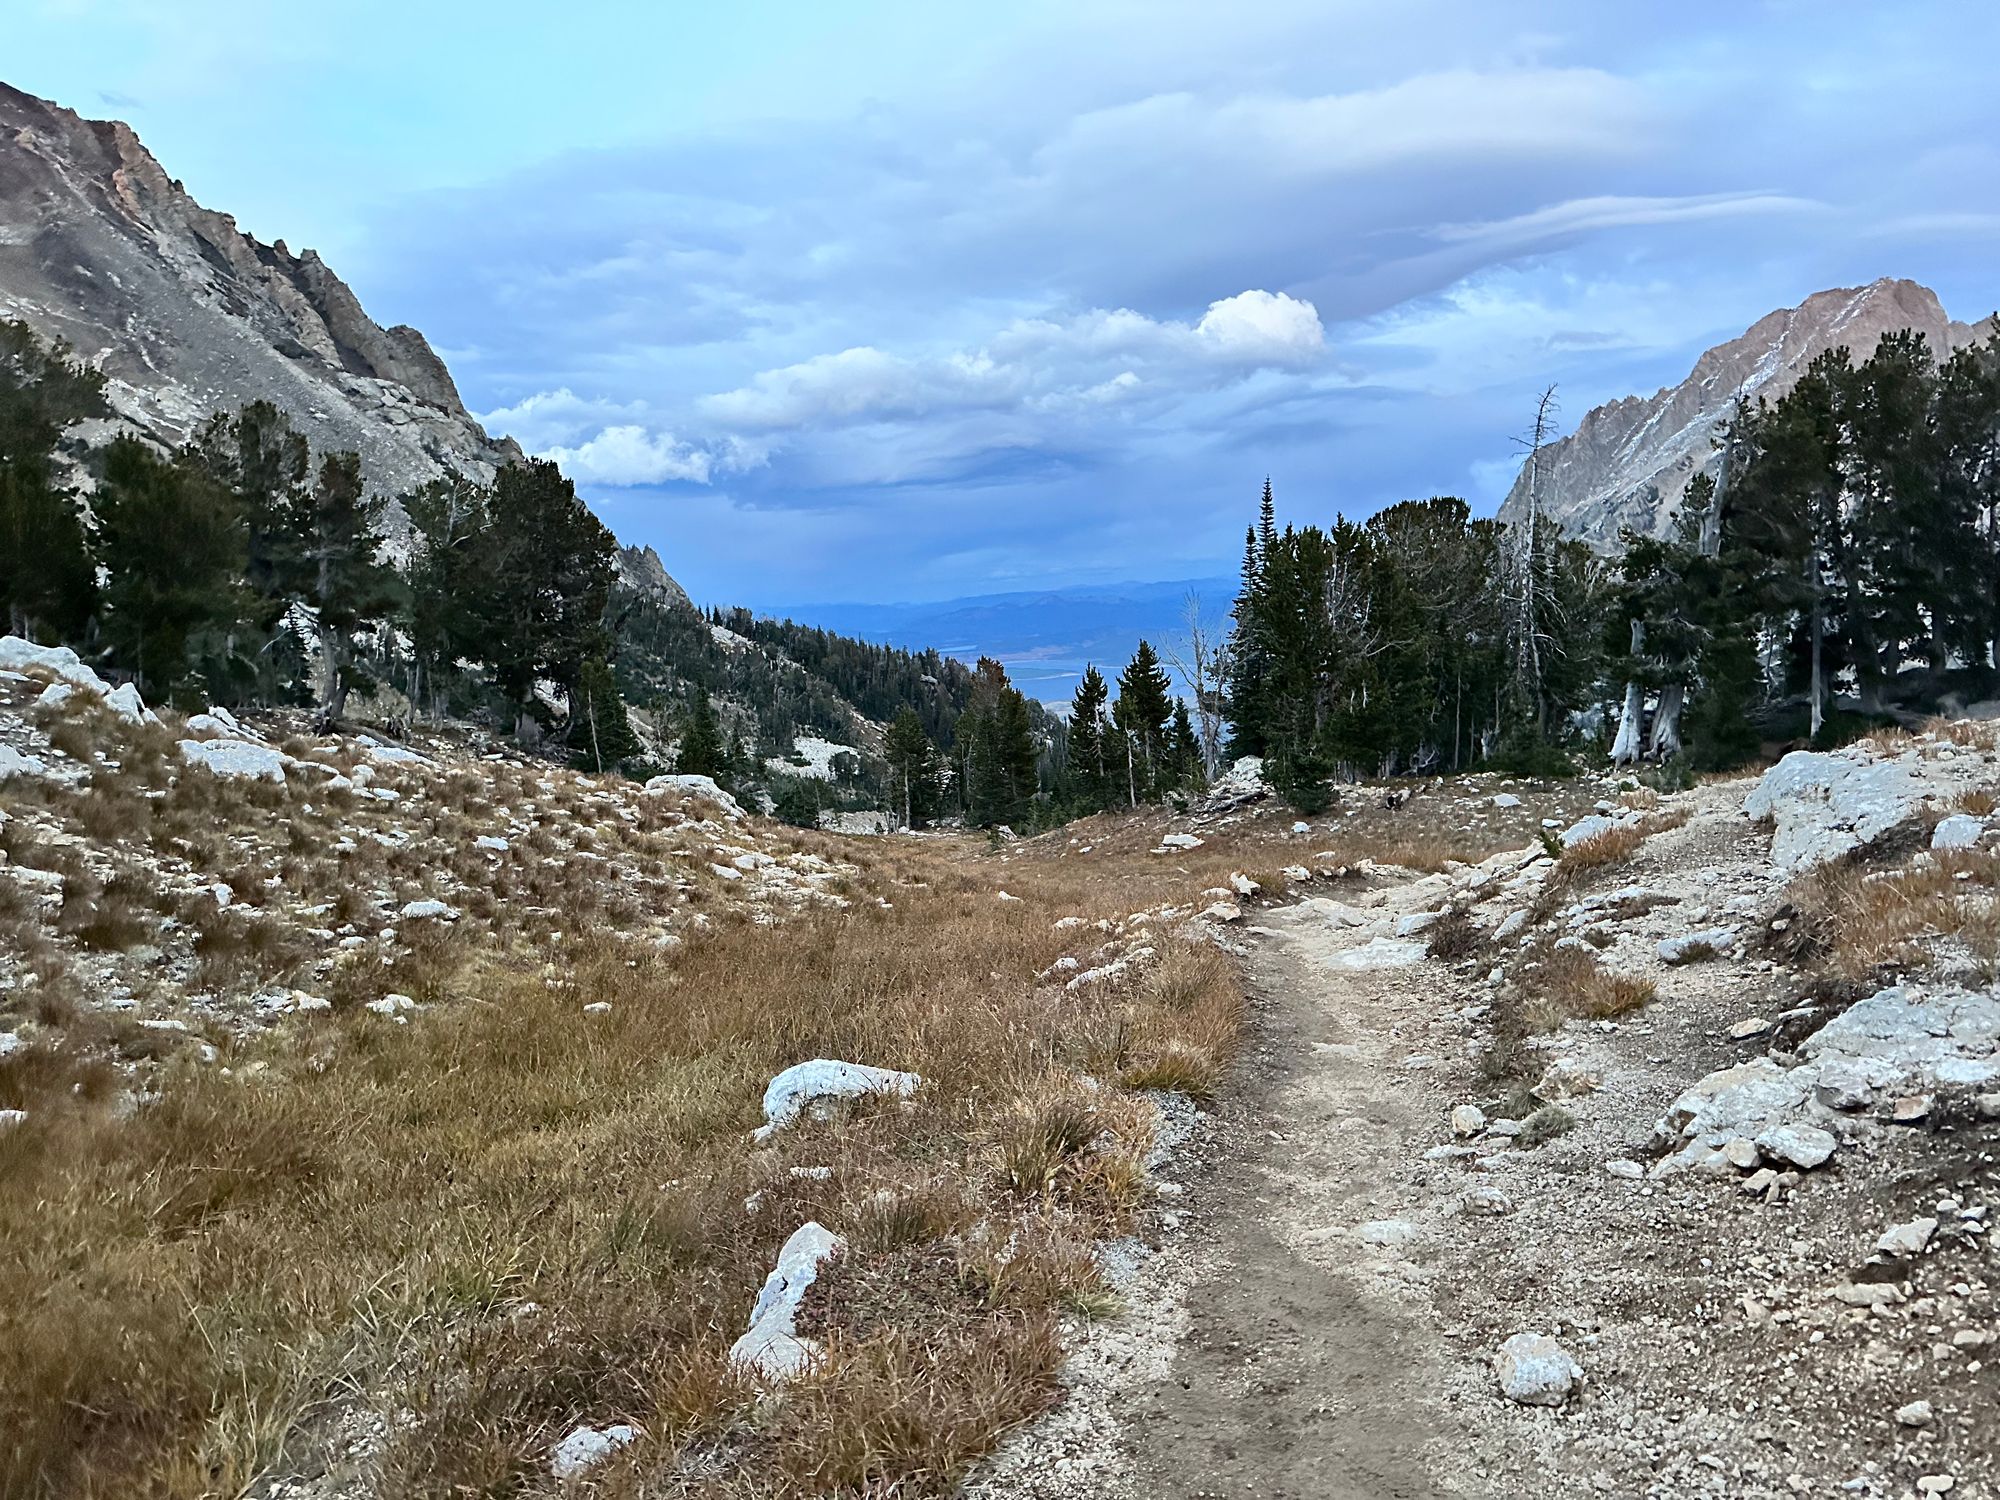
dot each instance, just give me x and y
(411, 1117)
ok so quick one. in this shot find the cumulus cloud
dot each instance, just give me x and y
(1044, 364)
(630, 455)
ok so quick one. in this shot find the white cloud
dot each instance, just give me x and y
(1263, 329)
(551, 418)
(1034, 364)
(1584, 215)
(629, 455)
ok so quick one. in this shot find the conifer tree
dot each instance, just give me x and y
(547, 565)
(175, 549)
(337, 534)
(1089, 766)
(912, 763)
(701, 751)
(605, 737)
(1143, 709)
(1184, 751)
(448, 598)
(997, 748)
(46, 577)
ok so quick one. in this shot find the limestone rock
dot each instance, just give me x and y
(1907, 1240)
(1804, 1146)
(773, 1348)
(1959, 831)
(1824, 804)
(586, 1447)
(811, 1084)
(1534, 1370)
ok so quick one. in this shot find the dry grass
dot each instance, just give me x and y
(1603, 851)
(1856, 919)
(1554, 984)
(509, 1216)
(1980, 802)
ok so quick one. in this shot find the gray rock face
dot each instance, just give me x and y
(186, 315)
(1628, 463)
(640, 570)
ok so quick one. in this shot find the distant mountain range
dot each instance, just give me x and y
(1629, 462)
(1044, 637)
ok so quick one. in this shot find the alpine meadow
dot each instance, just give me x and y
(1376, 874)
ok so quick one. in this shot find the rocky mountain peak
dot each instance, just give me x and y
(1629, 461)
(187, 315)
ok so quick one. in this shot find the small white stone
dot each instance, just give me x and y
(586, 1447)
(1534, 1370)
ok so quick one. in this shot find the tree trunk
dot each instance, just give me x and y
(1667, 722)
(1625, 748)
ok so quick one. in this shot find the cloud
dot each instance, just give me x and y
(630, 455)
(1037, 364)
(1586, 215)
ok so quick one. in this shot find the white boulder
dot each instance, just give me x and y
(1594, 826)
(1506, 799)
(814, 1084)
(14, 763)
(430, 909)
(1534, 1370)
(1689, 946)
(1802, 1146)
(698, 786)
(1907, 1240)
(586, 1447)
(1380, 953)
(1959, 831)
(1824, 804)
(773, 1348)
(58, 662)
(236, 758)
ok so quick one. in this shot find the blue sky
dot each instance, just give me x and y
(882, 301)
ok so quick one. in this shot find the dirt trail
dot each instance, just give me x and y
(1311, 1365)
(1286, 1346)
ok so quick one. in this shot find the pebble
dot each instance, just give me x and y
(1916, 1414)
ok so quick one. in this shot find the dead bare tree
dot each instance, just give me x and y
(1527, 592)
(1201, 658)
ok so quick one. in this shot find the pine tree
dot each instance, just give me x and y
(547, 566)
(175, 549)
(701, 751)
(46, 577)
(912, 765)
(1249, 662)
(1184, 751)
(447, 602)
(336, 532)
(997, 748)
(1143, 709)
(605, 738)
(1089, 767)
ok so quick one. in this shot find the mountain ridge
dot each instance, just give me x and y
(186, 315)
(1628, 462)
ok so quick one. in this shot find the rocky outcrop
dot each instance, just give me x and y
(641, 571)
(1629, 462)
(186, 315)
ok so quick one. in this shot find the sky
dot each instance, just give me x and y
(885, 301)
